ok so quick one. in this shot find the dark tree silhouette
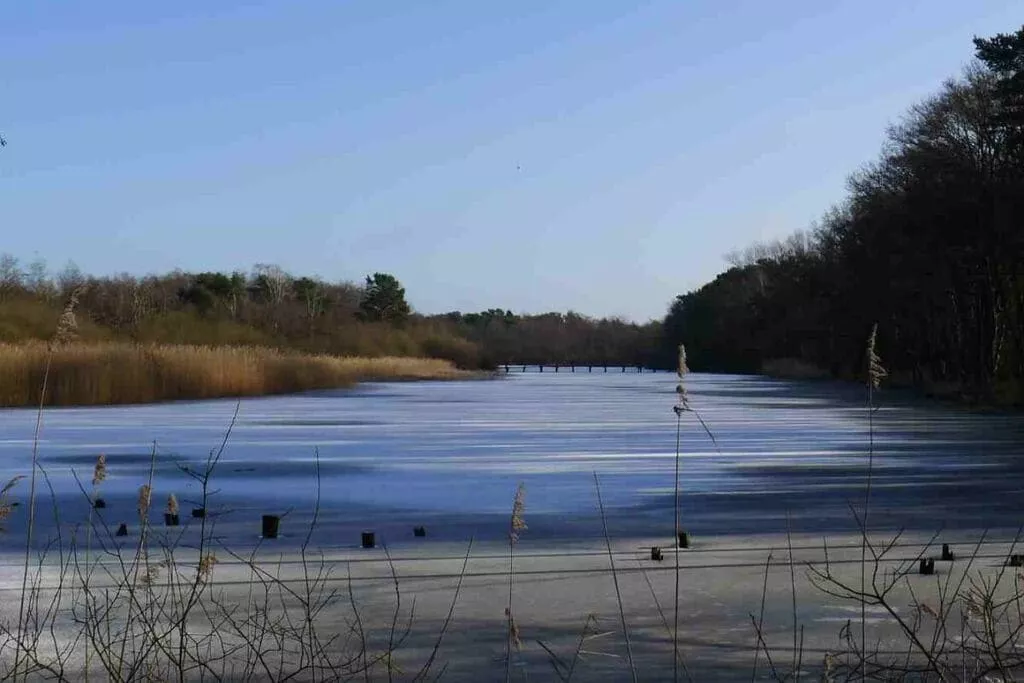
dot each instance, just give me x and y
(383, 299)
(929, 243)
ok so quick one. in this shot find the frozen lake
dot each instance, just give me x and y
(449, 456)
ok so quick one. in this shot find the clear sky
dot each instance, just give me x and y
(600, 156)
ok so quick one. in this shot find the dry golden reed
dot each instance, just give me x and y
(876, 372)
(150, 574)
(145, 497)
(515, 636)
(67, 324)
(518, 522)
(172, 504)
(206, 564)
(119, 373)
(683, 400)
(6, 505)
(99, 472)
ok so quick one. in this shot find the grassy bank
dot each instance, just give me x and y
(119, 373)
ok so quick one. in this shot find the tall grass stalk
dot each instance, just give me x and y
(99, 473)
(663, 617)
(875, 374)
(307, 585)
(31, 519)
(67, 326)
(516, 525)
(615, 579)
(759, 623)
(798, 645)
(682, 405)
(425, 670)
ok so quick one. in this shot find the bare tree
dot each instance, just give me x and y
(11, 277)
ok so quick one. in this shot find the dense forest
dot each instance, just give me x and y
(269, 307)
(928, 244)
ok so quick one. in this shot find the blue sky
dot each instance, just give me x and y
(600, 156)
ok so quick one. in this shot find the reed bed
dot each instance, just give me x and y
(108, 373)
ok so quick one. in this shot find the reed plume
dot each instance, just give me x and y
(876, 371)
(6, 505)
(150, 573)
(875, 374)
(99, 474)
(682, 398)
(67, 330)
(67, 324)
(99, 471)
(172, 504)
(517, 524)
(682, 405)
(145, 498)
(206, 564)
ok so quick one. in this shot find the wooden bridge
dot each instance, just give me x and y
(571, 367)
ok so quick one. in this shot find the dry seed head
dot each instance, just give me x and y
(99, 472)
(514, 636)
(145, 497)
(829, 665)
(206, 565)
(67, 324)
(172, 504)
(518, 522)
(6, 506)
(151, 574)
(389, 663)
(682, 400)
(876, 371)
(976, 602)
(681, 368)
(5, 510)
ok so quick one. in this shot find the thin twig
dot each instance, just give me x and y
(448, 618)
(675, 544)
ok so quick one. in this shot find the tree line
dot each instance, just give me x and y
(560, 338)
(928, 244)
(267, 306)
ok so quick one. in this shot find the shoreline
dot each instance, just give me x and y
(469, 376)
(124, 374)
(1005, 398)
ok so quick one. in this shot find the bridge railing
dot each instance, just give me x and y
(573, 367)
